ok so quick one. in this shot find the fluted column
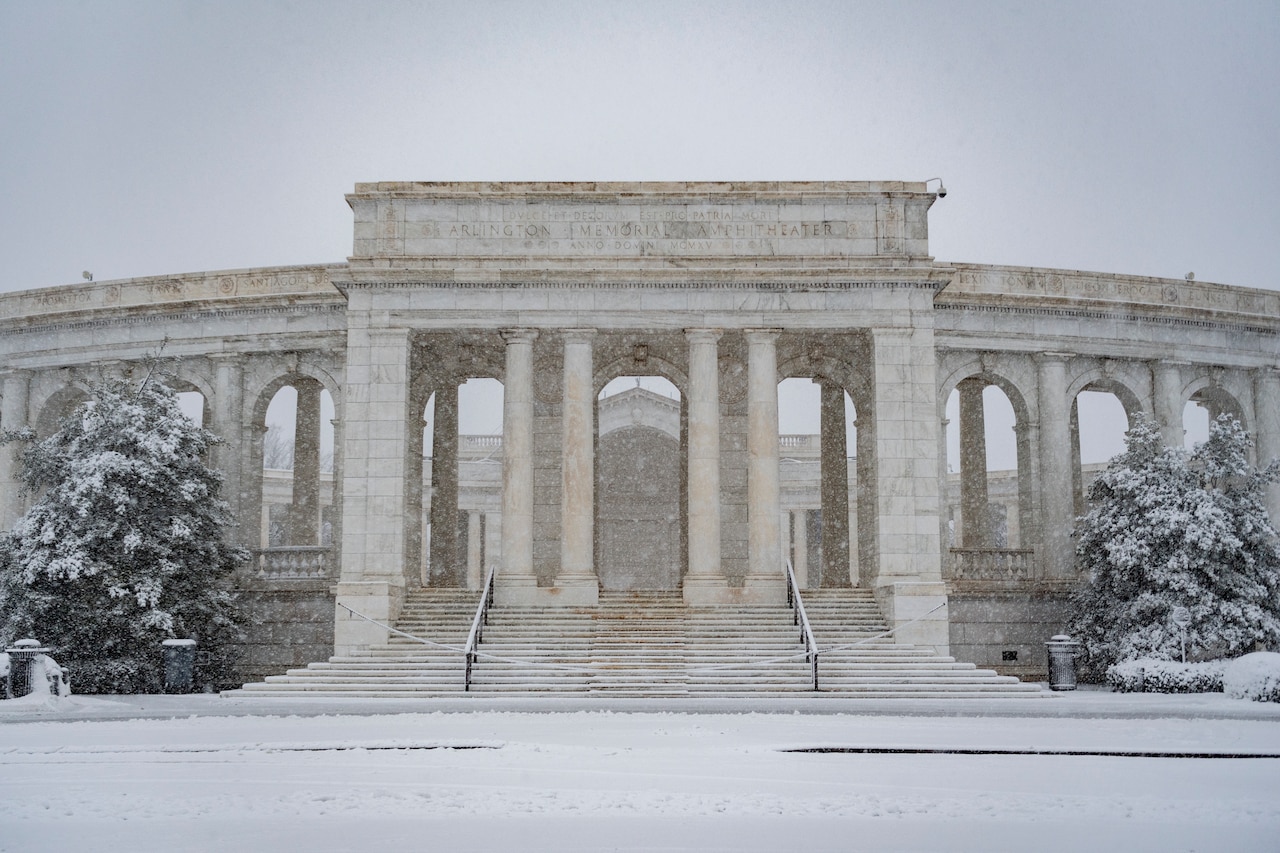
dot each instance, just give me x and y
(13, 416)
(518, 583)
(445, 553)
(834, 476)
(975, 524)
(764, 579)
(1167, 403)
(577, 578)
(704, 583)
(1266, 403)
(1056, 493)
(304, 512)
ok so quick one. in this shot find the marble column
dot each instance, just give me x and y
(13, 416)
(1266, 403)
(1057, 502)
(475, 549)
(1025, 437)
(800, 547)
(517, 583)
(1167, 403)
(576, 579)
(834, 476)
(901, 435)
(445, 552)
(231, 456)
(304, 512)
(704, 583)
(764, 581)
(1077, 472)
(975, 516)
(375, 469)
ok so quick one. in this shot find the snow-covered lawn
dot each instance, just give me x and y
(635, 781)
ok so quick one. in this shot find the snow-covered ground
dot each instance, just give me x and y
(325, 778)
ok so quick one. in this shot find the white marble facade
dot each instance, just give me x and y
(724, 289)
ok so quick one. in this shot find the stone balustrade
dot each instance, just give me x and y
(296, 562)
(992, 564)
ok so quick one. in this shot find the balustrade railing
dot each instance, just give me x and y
(477, 626)
(801, 619)
(296, 562)
(992, 564)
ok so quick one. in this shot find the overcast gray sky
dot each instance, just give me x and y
(142, 138)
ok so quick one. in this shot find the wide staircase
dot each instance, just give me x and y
(643, 644)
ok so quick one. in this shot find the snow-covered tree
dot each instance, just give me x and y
(124, 546)
(1170, 529)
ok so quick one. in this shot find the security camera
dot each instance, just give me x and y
(942, 190)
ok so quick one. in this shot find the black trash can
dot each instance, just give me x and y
(179, 665)
(22, 659)
(1062, 662)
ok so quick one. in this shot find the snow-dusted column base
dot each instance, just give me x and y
(378, 600)
(903, 602)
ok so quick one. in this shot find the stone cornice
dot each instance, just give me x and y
(1208, 321)
(631, 192)
(646, 284)
(155, 317)
(184, 291)
(1014, 287)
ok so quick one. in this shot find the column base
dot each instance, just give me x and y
(575, 591)
(714, 592)
(377, 600)
(765, 590)
(568, 592)
(903, 602)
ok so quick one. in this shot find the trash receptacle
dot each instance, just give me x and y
(22, 658)
(179, 665)
(1062, 662)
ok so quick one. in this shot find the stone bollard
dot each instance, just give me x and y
(179, 665)
(1062, 662)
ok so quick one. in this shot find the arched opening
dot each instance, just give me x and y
(820, 485)
(1195, 424)
(60, 404)
(193, 405)
(298, 506)
(1204, 407)
(640, 484)
(461, 485)
(1099, 421)
(986, 492)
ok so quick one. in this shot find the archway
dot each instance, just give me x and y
(640, 491)
(297, 465)
(986, 489)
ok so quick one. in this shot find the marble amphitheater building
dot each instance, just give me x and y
(691, 497)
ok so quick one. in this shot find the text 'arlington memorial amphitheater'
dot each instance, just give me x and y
(649, 542)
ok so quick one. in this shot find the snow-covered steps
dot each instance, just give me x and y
(643, 645)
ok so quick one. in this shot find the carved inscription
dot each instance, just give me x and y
(631, 229)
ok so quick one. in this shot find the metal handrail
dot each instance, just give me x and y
(477, 626)
(802, 619)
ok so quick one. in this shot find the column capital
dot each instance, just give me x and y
(761, 336)
(1048, 355)
(703, 336)
(578, 336)
(519, 335)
